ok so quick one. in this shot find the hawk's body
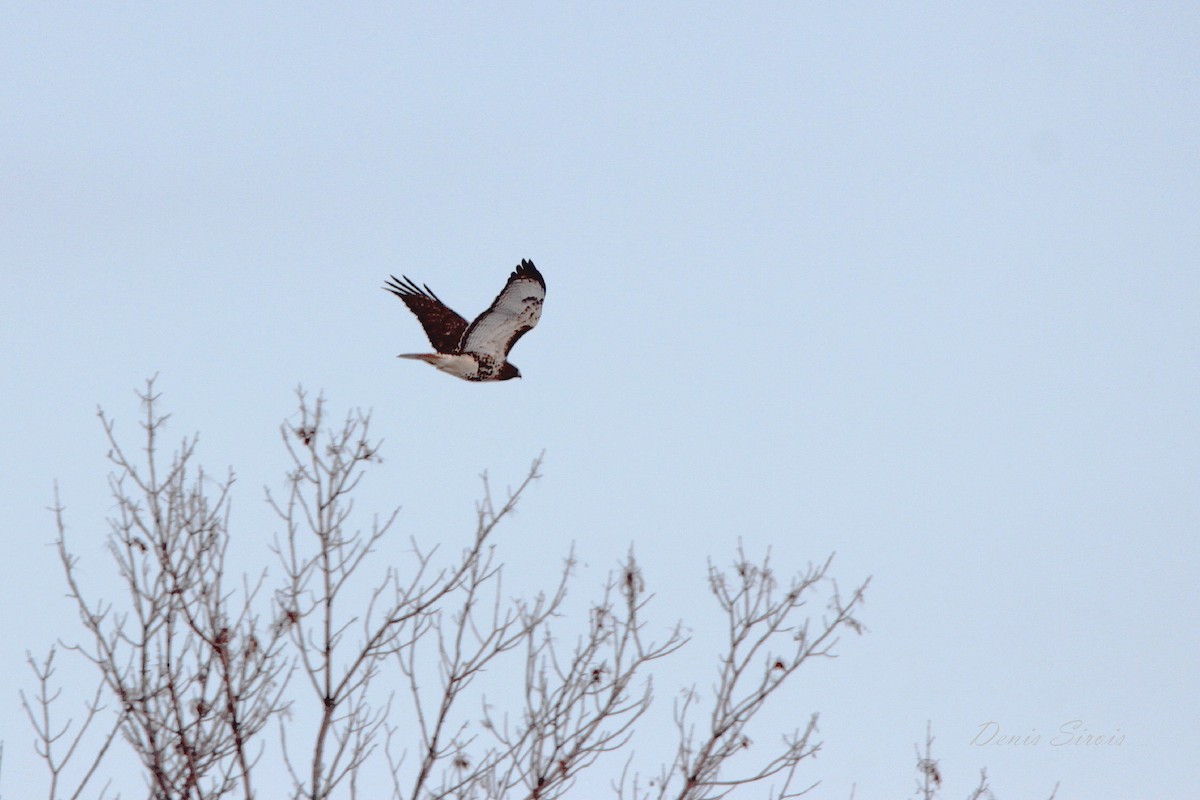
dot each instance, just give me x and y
(479, 351)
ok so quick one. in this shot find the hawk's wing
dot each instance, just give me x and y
(514, 312)
(443, 327)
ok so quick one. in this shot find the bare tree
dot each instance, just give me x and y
(582, 706)
(768, 641)
(195, 674)
(379, 676)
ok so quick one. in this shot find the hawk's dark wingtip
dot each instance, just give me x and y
(407, 288)
(526, 269)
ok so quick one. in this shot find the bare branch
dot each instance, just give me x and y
(193, 673)
(767, 642)
(49, 735)
(321, 554)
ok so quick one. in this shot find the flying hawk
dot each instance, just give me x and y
(479, 351)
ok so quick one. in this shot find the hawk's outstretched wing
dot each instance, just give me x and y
(443, 327)
(513, 313)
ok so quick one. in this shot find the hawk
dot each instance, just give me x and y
(479, 351)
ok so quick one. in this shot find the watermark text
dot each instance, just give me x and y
(1073, 733)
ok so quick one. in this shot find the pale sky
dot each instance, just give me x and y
(915, 283)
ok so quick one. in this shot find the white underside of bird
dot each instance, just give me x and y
(460, 365)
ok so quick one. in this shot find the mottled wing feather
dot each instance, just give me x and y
(514, 312)
(443, 327)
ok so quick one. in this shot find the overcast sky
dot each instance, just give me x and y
(916, 283)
